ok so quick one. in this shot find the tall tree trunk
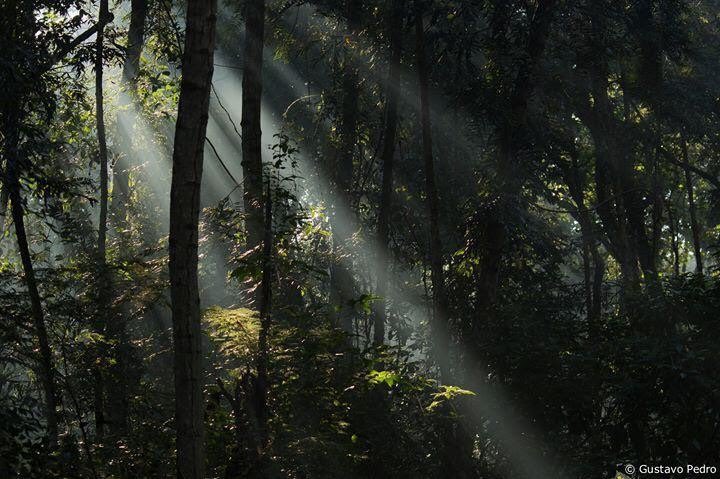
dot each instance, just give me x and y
(341, 280)
(197, 70)
(658, 203)
(612, 178)
(135, 39)
(694, 225)
(599, 274)
(101, 137)
(388, 154)
(441, 336)
(103, 290)
(131, 68)
(674, 245)
(265, 304)
(593, 266)
(252, 163)
(47, 368)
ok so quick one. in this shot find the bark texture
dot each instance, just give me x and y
(103, 291)
(265, 319)
(197, 70)
(252, 84)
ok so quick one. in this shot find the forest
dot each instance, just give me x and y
(473, 239)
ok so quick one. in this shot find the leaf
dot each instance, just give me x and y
(447, 393)
(388, 377)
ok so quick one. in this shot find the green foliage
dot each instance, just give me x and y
(235, 333)
(567, 242)
(387, 377)
(447, 393)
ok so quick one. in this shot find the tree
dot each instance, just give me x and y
(197, 70)
(440, 329)
(394, 28)
(342, 290)
(103, 291)
(252, 85)
(542, 175)
(12, 183)
(694, 227)
(28, 60)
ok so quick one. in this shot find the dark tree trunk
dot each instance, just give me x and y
(135, 39)
(252, 163)
(650, 43)
(593, 266)
(388, 154)
(47, 368)
(441, 335)
(265, 304)
(674, 245)
(614, 185)
(694, 225)
(197, 70)
(658, 203)
(599, 274)
(103, 290)
(100, 125)
(342, 288)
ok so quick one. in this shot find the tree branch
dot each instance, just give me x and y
(60, 54)
(713, 180)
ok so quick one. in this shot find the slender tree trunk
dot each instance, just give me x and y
(103, 290)
(658, 204)
(440, 330)
(694, 225)
(265, 304)
(252, 163)
(672, 226)
(342, 288)
(599, 274)
(197, 70)
(131, 68)
(388, 155)
(47, 368)
(611, 183)
(590, 254)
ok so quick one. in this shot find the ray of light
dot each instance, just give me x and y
(491, 408)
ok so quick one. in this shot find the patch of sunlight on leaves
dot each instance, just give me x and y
(388, 377)
(88, 337)
(447, 393)
(234, 332)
